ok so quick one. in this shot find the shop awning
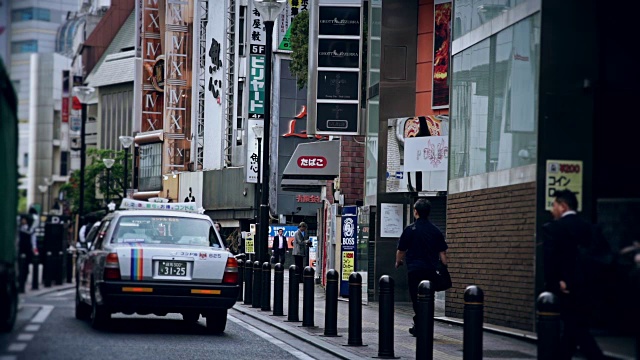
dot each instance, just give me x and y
(311, 165)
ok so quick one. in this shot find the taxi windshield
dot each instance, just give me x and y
(165, 230)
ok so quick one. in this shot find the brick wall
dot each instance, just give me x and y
(352, 169)
(490, 234)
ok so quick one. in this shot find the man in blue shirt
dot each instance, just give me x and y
(423, 245)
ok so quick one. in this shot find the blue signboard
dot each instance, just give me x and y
(349, 246)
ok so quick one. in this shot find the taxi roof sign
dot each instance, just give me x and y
(130, 204)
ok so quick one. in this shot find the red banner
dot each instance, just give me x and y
(65, 109)
(441, 54)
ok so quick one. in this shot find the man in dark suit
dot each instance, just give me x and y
(279, 247)
(565, 277)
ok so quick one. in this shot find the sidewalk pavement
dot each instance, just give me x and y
(28, 289)
(498, 342)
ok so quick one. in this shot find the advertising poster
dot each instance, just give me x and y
(293, 8)
(441, 53)
(349, 246)
(391, 220)
(417, 154)
(253, 162)
(249, 244)
(313, 251)
(287, 230)
(561, 175)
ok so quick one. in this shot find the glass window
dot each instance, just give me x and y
(165, 230)
(470, 14)
(31, 13)
(150, 167)
(495, 102)
(241, 31)
(25, 46)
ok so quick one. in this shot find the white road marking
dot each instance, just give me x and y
(64, 292)
(42, 315)
(25, 337)
(31, 327)
(17, 347)
(8, 357)
(286, 347)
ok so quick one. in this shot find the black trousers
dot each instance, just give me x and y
(575, 331)
(299, 260)
(278, 255)
(415, 277)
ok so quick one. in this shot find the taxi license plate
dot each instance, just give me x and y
(172, 268)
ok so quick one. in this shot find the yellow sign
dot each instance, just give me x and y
(563, 174)
(348, 264)
(249, 244)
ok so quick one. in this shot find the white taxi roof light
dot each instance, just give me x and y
(130, 204)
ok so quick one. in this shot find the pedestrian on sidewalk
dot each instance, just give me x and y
(25, 247)
(424, 246)
(301, 244)
(563, 276)
(34, 223)
(279, 247)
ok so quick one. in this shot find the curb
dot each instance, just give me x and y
(46, 291)
(322, 345)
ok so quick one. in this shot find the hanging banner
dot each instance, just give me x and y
(349, 246)
(253, 160)
(441, 54)
(257, 51)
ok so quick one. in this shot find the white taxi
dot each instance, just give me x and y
(156, 262)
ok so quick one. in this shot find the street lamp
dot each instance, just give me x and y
(108, 163)
(43, 189)
(258, 130)
(126, 142)
(269, 10)
(83, 93)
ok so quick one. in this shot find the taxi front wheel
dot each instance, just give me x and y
(216, 321)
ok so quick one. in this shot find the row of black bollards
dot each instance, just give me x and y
(257, 293)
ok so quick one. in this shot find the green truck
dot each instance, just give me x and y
(9, 203)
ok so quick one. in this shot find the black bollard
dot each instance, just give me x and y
(35, 277)
(385, 317)
(424, 323)
(278, 290)
(69, 254)
(60, 268)
(472, 329)
(549, 326)
(248, 282)
(331, 304)
(23, 270)
(266, 287)
(257, 285)
(307, 297)
(240, 278)
(47, 271)
(355, 310)
(294, 295)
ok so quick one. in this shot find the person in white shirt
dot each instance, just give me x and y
(279, 247)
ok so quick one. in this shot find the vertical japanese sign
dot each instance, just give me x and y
(441, 53)
(561, 175)
(65, 95)
(293, 8)
(152, 67)
(349, 246)
(337, 92)
(257, 65)
(253, 161)
(177, 92)
(214, 131)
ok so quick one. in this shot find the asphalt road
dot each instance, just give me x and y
(47, 329)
